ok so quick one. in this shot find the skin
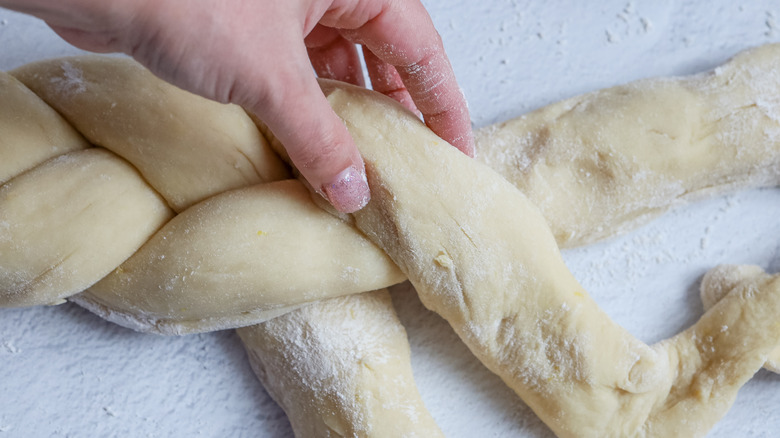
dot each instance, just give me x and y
(259, 54)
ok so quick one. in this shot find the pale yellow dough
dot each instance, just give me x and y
(181, 143)
(508, 295)
(605, 162)
(341, 368)
(32, 131)
(201, 271)
(238, 258)
(720, 281)
(628, 181)
(479, 251)
(70, 220)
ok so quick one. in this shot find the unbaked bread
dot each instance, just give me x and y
(480, 255)
(32, 131)
(602, 186)
(341, 368)
(605, 162)
(209, 267)
(107, 210)
(719, 281)
(483, 259)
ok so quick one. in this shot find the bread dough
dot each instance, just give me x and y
(723, 279)
(626, 180)
(480, 254)
(187, 148)
(70, 221)
(229, 261)
(74, 218)
(201, 271)
(484, 259)
(32, 131)
(605, 162)
(341, 368)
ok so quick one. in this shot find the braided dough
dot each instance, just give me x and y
(485, 259)
(92, 101)
(168, 285)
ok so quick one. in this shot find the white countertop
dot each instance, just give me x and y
(65, 372)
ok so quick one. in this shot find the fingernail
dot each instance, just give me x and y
(349, 190)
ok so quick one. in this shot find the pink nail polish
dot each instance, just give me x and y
(349, 190)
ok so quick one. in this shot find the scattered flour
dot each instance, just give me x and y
(71, 82)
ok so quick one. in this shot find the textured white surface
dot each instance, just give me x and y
(64, 372)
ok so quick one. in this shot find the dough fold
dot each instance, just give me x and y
(239, 258)
(69, 222)
(187, 147)
(32, 131)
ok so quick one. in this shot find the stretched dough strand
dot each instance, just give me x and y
(480, 254)
(719, 281)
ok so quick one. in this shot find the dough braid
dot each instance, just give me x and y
(484, 259)
(99, 198)
(223, 261)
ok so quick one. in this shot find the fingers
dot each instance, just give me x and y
(403, 35)
(386, 80)
(333, 57)
(315, 138)
(273, 80)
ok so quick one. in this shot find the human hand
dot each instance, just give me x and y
(255, 53)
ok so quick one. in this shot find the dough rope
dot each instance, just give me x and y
(480, 254)
(341, 367)
(606, 162)
(176, 297)
(719, 281)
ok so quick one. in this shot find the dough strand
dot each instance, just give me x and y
(341, 367)
(480, 254)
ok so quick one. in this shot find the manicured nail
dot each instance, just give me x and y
(349, 190)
